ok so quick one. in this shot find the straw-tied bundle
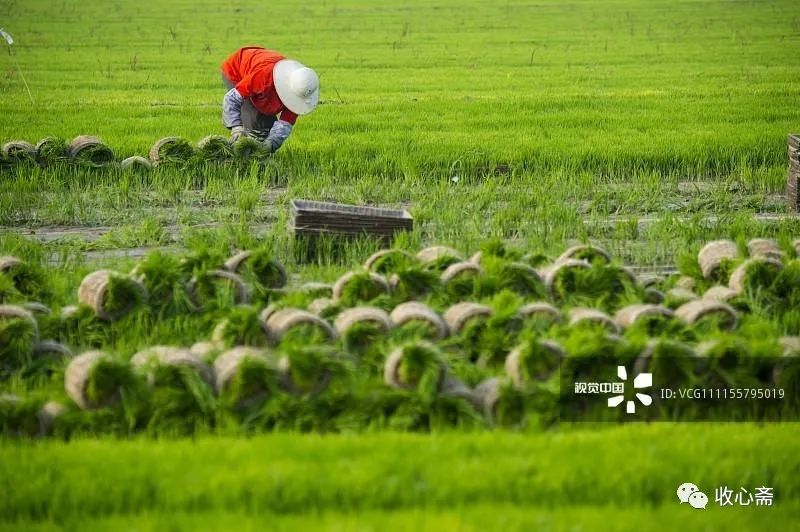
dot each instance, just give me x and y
(439, 257)
(214, 148)
(19, 333)
(707, 309)
(260, 264)
(110, 294)
(51, 150)
(594, 317)
(421, 319)
(500, 401)
(311, 327)
(245, 377)
(359, 327)
(359, 287)
(653, 317)
(714, 258)
(27, 278)
(534, 361)
(539, 311)
(241, 326)
(309, 370)
(171, 150)
(18, 151)
(387, 261)
(95, 380)
(136, 162)
(205, 287)
(87, 150)
(180, 386)
(249, 148)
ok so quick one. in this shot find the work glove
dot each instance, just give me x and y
(278, 134)
(237, 132)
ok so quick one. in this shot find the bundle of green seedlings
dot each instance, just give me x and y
(19, 333)
(89, 151)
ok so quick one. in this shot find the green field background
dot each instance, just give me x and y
(410, 88)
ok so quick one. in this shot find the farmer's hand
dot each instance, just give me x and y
(237, 132)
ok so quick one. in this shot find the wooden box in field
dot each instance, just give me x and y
(313, 218)
(794, 173)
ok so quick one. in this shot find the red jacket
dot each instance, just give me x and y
(250, 69)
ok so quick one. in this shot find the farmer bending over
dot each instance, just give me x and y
(267, 94)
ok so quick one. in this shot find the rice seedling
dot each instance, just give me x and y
(97, 380)
(111, 295)
(355, 288)
(213, 148)
(51, 151)
(242, 325)
(309, 370)
(19, 332)
(27, 279)
(89, 151)
(171, 151)
(164, 279)
(246, 378)
(247, 148)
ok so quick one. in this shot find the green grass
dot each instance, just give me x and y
(628, 474)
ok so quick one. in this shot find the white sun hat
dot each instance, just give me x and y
(297, 86)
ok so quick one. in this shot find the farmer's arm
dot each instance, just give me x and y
(232, 109)
(281, 129)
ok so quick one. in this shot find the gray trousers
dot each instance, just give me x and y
(256, 123)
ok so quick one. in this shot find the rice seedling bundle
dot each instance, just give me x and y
(241, 326)
(217, 286)
(26, 278)
(539, 312)
(587, 253)
(136, 162)
(716, 257)
(416, 366)
(439, 257)
(754, 274)
(48, 416)
(765, 247)
(247, 148)
(652, 318)
(308, 327)
(424, 319)
(19, 332)
(354, 288)
(86, 150)
(260, 263)
(207, 351)
(324, 307)
(592, 317)
(521, 278)
(245, 377)
(361, 315)
(560, 278)
(720, 293)
(164, 280)
(48, 352)
(720, 314)
(110, 294)
(460, 278)
(95, 380)
(18, 151)
(535, 360)
(414, 282)
(149, 360)
(675, 297)
(19, 417)
(458, 315)
(673, 361)
(308, 370)
(51, 150)
(315, 289)
(214, 148)
(501, 402)
(171, 150)
(387, 261)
